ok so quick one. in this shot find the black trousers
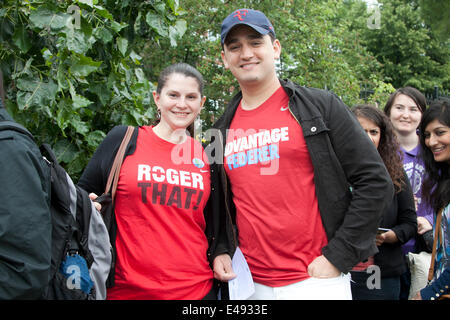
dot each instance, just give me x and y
(217, 285)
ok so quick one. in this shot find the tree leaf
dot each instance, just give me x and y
(101, 90)
(122, 45)
(35, 93)
(104, 13)
(173, 5)
(65, 151)
(45, 18)
(160, 7)
(80, 101)
(89, 3)
(76, 166)
(94, 138)
(77, 41)
(77, 100)
(135, 57)
(21, 39)
(177, 31)
(157, 23)
(103, 34)
(181, 26)
(118, 26)
(82, 66)
(63, 114)
(79, 126)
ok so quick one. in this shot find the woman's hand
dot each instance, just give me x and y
(97, 205)
(423, 225)
(417, 296)
(388, 237)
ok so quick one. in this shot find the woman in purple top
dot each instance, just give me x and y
(405, 108)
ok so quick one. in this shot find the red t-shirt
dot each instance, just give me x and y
(161, 244)
(272, 180)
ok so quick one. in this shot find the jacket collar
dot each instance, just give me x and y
(225, 120)
(299, 103)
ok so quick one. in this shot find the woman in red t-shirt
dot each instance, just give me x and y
(164, 185)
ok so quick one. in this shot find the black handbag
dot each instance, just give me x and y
(424, 242)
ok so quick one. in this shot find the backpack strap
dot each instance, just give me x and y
(47, 150)
(84, 210)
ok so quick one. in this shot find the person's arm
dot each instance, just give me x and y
(95, 175)
(218, 226)
(425, 217)
(372, 189)
(406, 227)
(25, 220)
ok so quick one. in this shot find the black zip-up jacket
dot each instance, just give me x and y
(400, 216)
(25, 221)
(352, 184)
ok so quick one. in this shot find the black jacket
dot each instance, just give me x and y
(352, 184)
(25, 222)
(400, 216)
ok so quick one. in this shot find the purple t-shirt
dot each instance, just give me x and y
(415, 170)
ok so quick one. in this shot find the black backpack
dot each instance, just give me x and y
(81, 252)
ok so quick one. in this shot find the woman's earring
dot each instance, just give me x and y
(158, 114)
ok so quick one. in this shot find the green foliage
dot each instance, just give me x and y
(72, 71)
(436, 13)
(409, 51)
(319, 48)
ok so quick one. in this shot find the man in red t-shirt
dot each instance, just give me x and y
(273, 175)
(264, 148)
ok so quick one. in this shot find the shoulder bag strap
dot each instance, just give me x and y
(113, 177)
(436, 235)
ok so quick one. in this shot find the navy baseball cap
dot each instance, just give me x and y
(253, 18)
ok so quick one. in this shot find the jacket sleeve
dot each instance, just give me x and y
(25, 221)
(95, 175)
(406, 227)
(219, 224)
(370, 183)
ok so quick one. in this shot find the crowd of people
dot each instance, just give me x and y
(320, 197)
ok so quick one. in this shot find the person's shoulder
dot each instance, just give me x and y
(16, 141)
(318, 97)
(304, 88)
(117, 131)
(19, 152)
(228, 112)
(115, 135)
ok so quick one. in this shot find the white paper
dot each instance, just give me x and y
(241, 287)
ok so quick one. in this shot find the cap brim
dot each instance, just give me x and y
(256, 28)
